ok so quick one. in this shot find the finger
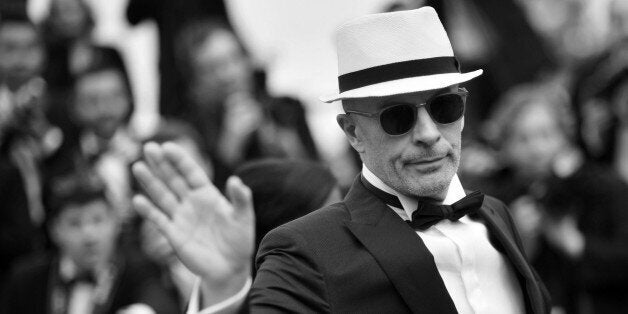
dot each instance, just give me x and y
(154, 156)
(239, 194)
(155, 188)
(192, 172)
(150, 212)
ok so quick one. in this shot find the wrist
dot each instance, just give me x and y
(214, 291)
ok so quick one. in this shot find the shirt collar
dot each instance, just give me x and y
(455, 191)
(68, 269)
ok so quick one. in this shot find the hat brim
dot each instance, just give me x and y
(404, 86)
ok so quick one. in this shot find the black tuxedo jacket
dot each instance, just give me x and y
(359, 256)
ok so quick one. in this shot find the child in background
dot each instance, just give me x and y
(87, 273)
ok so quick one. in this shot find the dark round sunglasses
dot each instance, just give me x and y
(399, 119)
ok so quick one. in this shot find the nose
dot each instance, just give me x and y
(425, 131)
(89, 233)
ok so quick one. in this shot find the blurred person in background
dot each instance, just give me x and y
(26, 138)
(22, 89)
(573, 30)
(87, 273)
(279, 192)
(571, 212)
(284, 133)
(171, 17)
(600, 90)
(512, 128)
(220, 100)
(602, 112)
(497, 36)
(236, 118)
(101, 107)
(67, 33)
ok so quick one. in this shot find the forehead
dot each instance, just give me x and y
(217, 44)
(78, 211)
(374, 103)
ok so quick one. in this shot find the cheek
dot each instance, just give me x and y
(377, 145)
(453, 133)
(386, 152)
(120, 108)
(85, 112)
(68, 239)
(106, 228)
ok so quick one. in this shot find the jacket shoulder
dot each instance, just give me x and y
(319, 220)
(292, 258)
(310, 233)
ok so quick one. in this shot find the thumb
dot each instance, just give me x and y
(239, 194)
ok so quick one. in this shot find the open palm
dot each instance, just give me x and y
(211, 235)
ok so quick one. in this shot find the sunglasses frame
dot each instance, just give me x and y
(462, 92)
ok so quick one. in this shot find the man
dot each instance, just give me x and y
(87, 275)
(404, 116)
(25, 138)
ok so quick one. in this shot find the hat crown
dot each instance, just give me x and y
(395, 53)
(387, 38)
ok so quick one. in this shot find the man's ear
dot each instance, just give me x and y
(349, 127)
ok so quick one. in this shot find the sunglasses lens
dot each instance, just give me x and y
(446, 108)
(398, 119)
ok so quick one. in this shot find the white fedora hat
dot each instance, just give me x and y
(395, 53)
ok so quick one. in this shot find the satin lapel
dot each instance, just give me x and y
(401, 254)
(501, 232)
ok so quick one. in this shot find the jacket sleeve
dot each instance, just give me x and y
(288, 276)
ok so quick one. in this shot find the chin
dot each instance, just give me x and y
(86, 263)
(432, 185)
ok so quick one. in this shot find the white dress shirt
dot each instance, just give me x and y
(478, 278)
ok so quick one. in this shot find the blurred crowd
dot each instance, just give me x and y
(546, 131)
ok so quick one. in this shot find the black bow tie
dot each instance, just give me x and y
(429, 214)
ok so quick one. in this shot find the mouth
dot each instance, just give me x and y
(427, 164)
(427, 160)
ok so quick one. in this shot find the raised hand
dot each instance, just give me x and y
(212, 236)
